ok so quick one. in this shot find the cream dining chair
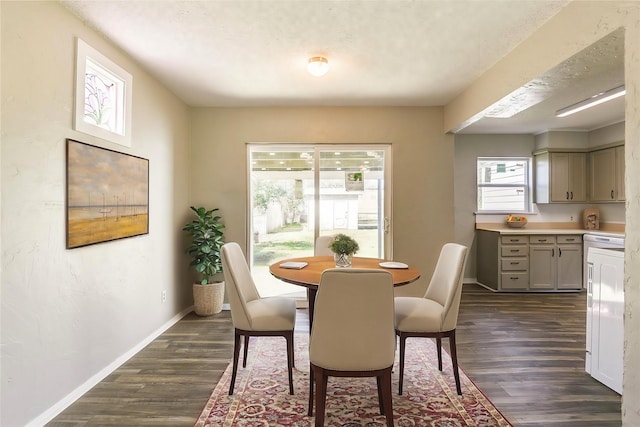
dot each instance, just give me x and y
(436, 314)
(322, 246)
(252, 315)
(352, 334)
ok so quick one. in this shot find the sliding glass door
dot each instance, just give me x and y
(298, 192)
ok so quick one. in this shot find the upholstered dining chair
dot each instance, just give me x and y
(322, 246)
(352, 334)
(436, 314)
(251, 314)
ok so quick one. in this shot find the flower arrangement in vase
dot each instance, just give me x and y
(343, 248)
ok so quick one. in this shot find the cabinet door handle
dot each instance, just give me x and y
(515, 250)
(514, 278)
(559, 252)
(542, 240)
(515, 263)
(553, 253)
(567, 196)
(570, 240)
(572, 195)
(612, 194)
(514, 240)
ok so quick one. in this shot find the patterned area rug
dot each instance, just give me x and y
(261, 396)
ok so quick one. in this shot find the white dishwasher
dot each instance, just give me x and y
(605, 316)
(599, 239)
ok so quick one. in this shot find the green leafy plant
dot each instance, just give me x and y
(343, 244)
(207, 239)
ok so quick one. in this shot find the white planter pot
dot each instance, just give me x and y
(208, 299)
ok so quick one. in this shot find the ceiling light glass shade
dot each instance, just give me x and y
(592, 102)
(318, 66)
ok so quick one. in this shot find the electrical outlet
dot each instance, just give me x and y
(163, 296)
(571, 217)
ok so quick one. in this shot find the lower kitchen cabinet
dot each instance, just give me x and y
(543, 267)
(529, 262)
(569, 275)
(555, 262)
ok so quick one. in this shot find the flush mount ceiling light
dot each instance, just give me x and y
(318, 66)
(591, 102)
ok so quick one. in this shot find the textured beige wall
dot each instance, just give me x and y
(422, 156)
(68, 314)
(631, 381)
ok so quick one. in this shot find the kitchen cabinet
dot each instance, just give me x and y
(607, 175)
(620, 171)
(543, 266)
(514, 263)
(529, 262)
(555, 262)
(561, 177)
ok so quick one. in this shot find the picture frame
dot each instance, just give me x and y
(107, 195)
(103, 96)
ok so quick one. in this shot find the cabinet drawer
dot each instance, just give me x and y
(511, 240)
(507, 250)
(542, 239)
(570, 238)
(515, 264)
(514, 281)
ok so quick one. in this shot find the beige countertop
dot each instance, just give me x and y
(524, 230)
(504, 229)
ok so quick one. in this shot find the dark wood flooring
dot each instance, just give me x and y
(524, 351)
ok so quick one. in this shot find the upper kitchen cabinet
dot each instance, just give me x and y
(607, 175)
(561, 177)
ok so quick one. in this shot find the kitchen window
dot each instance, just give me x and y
(503, 184)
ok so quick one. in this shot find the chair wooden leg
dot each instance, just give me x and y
(236, 355)
(380, 394)
(454, 361)
(246, 351)
(311, 381)
(289, 338)
(311, 298)
(403, 342)
(387, 401)
(321, 397)
(439, 347)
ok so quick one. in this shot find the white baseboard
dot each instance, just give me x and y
(65, 402)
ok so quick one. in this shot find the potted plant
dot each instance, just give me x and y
(207, 239)
(343, 248)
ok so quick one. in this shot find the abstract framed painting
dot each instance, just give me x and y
(107, 195)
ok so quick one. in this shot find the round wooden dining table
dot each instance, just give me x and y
(309, 276)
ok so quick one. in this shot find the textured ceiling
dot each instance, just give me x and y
(596, 69)
(254, 53)
(381, 52)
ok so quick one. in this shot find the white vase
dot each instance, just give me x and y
(343, 260)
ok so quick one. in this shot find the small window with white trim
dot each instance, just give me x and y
(503, 184)
(103, 96)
